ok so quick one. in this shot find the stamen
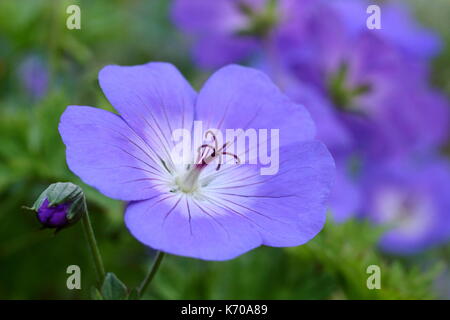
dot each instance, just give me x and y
(209, 132)
(238, 160)
(188, 182)
(203, 160)
(201, 154)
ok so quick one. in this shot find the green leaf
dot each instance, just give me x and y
(113, 288)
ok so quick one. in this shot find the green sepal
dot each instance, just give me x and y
(61, 192)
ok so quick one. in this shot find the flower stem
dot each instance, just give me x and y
(151, 273)
(89, 232)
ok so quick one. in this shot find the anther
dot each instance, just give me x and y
(203, 160)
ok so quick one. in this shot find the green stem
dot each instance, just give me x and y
(89, 232)
(150, 275)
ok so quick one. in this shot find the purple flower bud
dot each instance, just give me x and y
(60, 205)
(53, 216)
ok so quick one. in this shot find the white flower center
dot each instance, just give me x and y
(188, 182)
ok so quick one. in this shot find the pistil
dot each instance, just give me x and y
(188, 183)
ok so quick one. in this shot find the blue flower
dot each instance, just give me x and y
(201, 208)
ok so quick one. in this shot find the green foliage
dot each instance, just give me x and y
(345, 251)
(331, 266)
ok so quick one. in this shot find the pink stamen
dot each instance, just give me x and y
(203, 161)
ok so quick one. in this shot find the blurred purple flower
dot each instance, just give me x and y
(412, 199)
(34, 77)
(345, 198)
(378, 94)
(372, 78)
(225, 31)
(399, 121)
(366, 89)
(398, 26)
(330, 127)
(197, 210)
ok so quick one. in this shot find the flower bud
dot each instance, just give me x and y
(60, 205)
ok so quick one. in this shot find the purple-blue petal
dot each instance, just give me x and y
(106, 153)
(154, 99)
(241, 97)
(242, 210)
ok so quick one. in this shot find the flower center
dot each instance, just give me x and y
(342, 94)
(206, 154)
(260, 22)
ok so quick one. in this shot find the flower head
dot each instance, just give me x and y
(222, 195)
(60, 205)
(374, 84)
(225, 31)
(366, 89)
(410, 198)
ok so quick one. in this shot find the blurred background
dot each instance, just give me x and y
(379, 98)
